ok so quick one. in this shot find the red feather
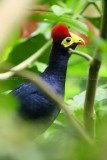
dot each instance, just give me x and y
(59, 32)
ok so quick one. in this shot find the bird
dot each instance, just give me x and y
(34, 105)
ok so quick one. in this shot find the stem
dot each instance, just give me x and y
(25, 63)
(84, 55)
(85, 6)
(89, 110)
(43, 10)
(81, 10)
(54, 96)
(104, 22)
(96, 6)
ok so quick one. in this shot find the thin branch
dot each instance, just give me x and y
(54, 96)
(84, 7)
(36, 10)
(96, 6)
(82, 54)
(25, 63)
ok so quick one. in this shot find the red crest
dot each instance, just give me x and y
(59, 32)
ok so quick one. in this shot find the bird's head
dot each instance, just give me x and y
(61, 36)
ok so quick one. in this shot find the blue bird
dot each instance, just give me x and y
(34, 104)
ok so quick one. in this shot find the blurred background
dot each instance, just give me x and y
(31, 31)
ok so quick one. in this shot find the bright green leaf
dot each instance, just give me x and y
(101, 94)
(40, 66)
(60, 10)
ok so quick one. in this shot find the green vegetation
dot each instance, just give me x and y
(79, 132)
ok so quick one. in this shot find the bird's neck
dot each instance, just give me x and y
(57, 67)
(58, 60)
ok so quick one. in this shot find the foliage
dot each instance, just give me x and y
(19, 140)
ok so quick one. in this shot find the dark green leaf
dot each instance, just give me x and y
(96, 21)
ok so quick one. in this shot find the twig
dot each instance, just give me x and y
(96, 6)
(85, 6)
(43, 10)
(54, 97)
(25, 63)
(82, 54)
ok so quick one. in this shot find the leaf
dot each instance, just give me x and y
(25, 49)
(58, 10)
(101, 94)
(7, 104)
(12, 41)
(77, 26)
(21, 52)
(99, 42)
(96, 21)
(40, 66)
(75, 5)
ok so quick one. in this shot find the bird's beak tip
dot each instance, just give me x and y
(81, 42)
(77, 39)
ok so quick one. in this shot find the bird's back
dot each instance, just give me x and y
(33, 103)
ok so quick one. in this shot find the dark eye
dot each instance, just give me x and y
(68, 40)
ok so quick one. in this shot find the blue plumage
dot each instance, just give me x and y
(34, 104)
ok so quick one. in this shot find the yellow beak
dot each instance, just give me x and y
(76, 39)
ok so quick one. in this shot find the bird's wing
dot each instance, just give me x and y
(25, 88)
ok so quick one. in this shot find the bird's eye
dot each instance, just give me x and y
(68, 40)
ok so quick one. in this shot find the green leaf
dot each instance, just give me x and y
(101, 94)
(68, 20)
(20, 53)
(25, 49)
(60, 10)
(11, 43)
(99, 42)
(75, 5)
(7, 104)
(96, 21)
(77, 26)
(40, 66)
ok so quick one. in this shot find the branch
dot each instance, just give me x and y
(82, 54)
(54, 96)
(36, 10)
(89, 109)
(104, 22)
(96, 6)
(84, 7)
(25, 63)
